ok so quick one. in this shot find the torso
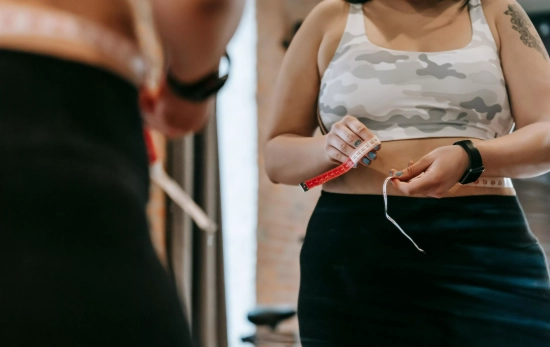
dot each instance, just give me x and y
(440, 29)
(396, 155)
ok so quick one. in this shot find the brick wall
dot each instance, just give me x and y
(283, 211)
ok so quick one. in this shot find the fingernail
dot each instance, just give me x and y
(357, 143)
(377, 147)
(366, 161)
(399, 173)
(372, 155)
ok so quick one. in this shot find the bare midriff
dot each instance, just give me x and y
(115, 15)
(396, 155)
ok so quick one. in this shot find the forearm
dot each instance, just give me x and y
(195, 33)
(524, 153)
(292, 159)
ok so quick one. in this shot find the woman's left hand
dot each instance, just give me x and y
(163, 111)
(434, 174)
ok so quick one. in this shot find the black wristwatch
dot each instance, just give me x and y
(200, 90)
(476, 164)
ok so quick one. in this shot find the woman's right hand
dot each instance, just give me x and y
(344, 137)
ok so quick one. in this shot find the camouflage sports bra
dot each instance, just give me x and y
(406, 95)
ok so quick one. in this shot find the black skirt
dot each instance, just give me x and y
(77, 267)
(482, 282)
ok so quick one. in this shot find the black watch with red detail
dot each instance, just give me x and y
(476, 164)
(201, 90)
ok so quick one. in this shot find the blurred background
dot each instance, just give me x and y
(255, 259)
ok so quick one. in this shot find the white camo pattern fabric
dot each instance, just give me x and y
(405, 95)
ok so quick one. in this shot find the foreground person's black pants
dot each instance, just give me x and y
(77, 267)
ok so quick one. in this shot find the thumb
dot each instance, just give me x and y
(412, 171)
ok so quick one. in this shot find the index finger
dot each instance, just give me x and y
(420, 184)
(359, 128)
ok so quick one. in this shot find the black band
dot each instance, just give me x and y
(200, 90)
(476, 164)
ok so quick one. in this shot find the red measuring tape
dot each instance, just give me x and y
(353, 159)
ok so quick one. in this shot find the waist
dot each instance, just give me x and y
(402, 206)
(441, 227)
(396, 155)
(63, 35)
(59, 109)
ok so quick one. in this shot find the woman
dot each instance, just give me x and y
(421, 76)
(78, 267)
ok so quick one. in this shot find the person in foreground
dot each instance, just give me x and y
(77, 267)
(442, 84)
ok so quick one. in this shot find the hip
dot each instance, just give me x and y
(450, 230)
(483, 272)
(70, 122)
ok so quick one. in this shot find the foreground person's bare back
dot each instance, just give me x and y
(115, 14)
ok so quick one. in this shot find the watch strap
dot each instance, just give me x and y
(198, 91)
(476, 163)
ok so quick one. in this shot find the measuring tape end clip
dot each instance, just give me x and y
(304, 186)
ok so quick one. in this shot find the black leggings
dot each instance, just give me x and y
(77, 267)
(483, 282)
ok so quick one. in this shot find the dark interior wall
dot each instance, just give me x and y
(542, 23)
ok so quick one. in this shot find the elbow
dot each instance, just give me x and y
(269, 165)
(271, 176)
(544, 147)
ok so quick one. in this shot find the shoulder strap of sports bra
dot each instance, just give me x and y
(356, 23)
(480, 27)
(476, 12)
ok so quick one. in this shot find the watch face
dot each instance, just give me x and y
(477, 170)
(472, 175)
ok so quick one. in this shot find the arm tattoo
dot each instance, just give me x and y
(521, 23)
